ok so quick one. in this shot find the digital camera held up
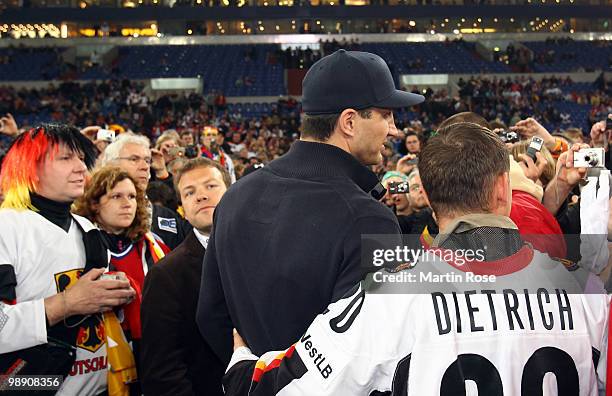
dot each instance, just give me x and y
(507, 136)
(398, 187)
(590, 158)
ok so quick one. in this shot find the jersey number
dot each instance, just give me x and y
(480, 370)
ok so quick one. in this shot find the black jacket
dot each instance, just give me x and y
(286, 242)
(174, 358)
(169, 226)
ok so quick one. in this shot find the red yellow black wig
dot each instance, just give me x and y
(19, 174)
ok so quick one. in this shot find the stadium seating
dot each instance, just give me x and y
(571, 56)
(450, 57)
(29, 64)
(221, 66)
(226, 68)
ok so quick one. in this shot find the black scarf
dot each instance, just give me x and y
(57, 213)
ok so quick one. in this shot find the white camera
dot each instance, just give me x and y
(112, 276)
(589, 158)
(106, 135)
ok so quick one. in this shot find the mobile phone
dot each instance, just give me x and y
(534, 146)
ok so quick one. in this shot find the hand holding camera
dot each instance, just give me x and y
(530, 127)
(567, 172)
(176, 152)
(92, 293)
(532, 169)
(535, 146)
(567, 175)
(114, 275)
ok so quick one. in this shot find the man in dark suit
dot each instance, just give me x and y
(175, 359)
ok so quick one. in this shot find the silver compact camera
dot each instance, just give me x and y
(589, 158)
(111, 276)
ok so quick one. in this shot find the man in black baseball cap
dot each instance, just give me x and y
(286, 240)
(348, 101)
(352, 79)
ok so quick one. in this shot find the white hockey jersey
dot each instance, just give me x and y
(505, 339)
(46, 260)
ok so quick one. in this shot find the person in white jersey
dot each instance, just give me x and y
(50, 322)
(527, 333)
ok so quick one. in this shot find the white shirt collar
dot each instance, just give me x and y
(202, 238)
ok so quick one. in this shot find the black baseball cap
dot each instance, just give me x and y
(352, 79)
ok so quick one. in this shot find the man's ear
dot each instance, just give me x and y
(502, 195)
(433, 213)
(346, 122)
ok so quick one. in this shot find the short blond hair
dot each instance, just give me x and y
(170, 134)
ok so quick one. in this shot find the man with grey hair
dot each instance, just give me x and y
(132, 153)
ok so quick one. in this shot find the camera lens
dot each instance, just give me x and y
(591, 161)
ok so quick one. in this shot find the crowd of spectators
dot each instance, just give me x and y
(545, 195)
(554, 50)
(533, 182)
(123, 103)
(509, 100)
